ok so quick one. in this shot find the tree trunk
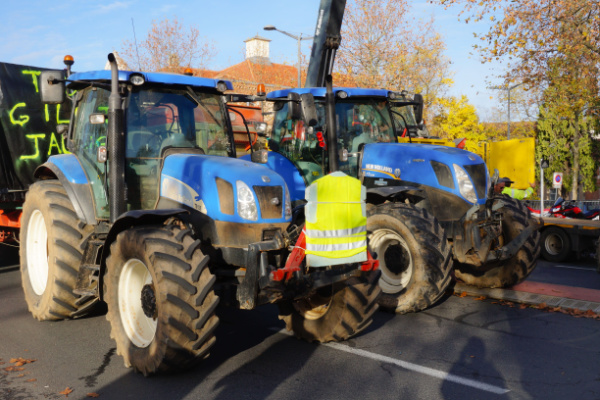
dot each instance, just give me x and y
(575, 172)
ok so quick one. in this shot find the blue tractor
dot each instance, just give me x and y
(153, 214)
(432, 210)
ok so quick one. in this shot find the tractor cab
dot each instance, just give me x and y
(163, 114)
(361, 115)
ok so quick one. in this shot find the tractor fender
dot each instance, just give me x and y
(392, 191)
(67, 169)
(128, 220)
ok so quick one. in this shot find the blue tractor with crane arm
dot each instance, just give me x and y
(152, 213)
(432, 210)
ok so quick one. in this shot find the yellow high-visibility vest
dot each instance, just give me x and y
(336, 221)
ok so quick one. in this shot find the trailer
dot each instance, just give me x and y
(563, 236)
(28, 136)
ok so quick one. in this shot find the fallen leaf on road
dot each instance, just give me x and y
(66, 392)
(21, 361)
(31, 380)
(481, 298)
(541, 306)
(463, 294)
(93, 395)
(523, 306)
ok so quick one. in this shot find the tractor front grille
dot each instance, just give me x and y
(478, 174)
(270, 200)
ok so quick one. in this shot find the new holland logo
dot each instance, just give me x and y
(397, 173)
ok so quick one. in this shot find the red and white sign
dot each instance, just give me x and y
(557, 180)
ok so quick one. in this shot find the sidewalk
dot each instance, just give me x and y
(542, 287)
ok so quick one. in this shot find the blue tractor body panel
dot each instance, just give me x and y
(288, 171)
(192, 180)
(151, 77)
(412, 162)
(70, 167)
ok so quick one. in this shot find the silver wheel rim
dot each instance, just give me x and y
(37, 252)
(553, 244)
(139, 328)
(391, 281)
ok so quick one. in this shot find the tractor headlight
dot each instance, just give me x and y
(465, 186)
(288, 204)
(246, 203)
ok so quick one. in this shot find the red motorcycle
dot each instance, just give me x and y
(566, 209)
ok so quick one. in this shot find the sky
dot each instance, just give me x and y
(40, 33)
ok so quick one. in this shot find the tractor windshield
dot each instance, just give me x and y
(358, 120)
(158, 119)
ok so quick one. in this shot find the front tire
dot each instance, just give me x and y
(333, 313)
(508, 272)
(52, 243)
(161, 303)
(414, 256)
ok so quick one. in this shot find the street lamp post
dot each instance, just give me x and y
(299, 39)
(508, 89)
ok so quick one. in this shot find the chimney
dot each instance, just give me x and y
(257, 50)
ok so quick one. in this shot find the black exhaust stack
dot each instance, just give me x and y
(332, 149)
(116, 145)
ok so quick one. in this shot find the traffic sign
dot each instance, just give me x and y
(557, 180)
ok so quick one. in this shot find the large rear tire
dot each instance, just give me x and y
(333, 313)
(556, 244)
(161, 303)
(414, 256)
(515, 269)
(52, 243)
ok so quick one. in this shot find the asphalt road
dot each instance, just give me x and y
(460, 349)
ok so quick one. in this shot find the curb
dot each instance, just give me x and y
(529, 298)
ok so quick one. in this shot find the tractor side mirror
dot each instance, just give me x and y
(309, 110)
(52, 87)
(418, 108)
(294, 111)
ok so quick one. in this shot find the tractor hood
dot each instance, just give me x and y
(225, 189)
(446, 168)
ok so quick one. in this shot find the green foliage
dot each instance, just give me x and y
(567, 145)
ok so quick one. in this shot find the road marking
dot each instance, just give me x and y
(570, 267)
(412, 367)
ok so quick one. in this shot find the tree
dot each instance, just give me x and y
(566, 119)
(382, 48)
(169, 47)
(455, 119)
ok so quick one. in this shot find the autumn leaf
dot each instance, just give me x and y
(31, 380)
(480, 298)
(66, 392)
(523, 306)
(463, 294)
(20, 361)
(93, 394)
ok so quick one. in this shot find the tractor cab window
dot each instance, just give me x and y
(87, 138)
(300, 145)
(358, 121)
(159, 119)
(404, 120)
